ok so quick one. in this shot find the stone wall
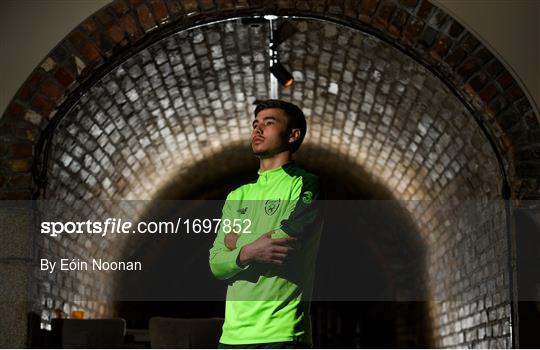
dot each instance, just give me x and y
(421, 105)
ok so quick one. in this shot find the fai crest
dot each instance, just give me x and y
(271, 206)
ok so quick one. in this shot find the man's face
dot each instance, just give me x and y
(269, 133)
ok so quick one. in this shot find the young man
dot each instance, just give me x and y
(267, 250)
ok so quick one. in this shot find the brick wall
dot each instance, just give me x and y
(152, 116)
(132, 118)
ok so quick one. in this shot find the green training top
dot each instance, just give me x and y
(267, 302)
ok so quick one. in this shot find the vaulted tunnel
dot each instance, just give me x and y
(175, 118)
(418, 173)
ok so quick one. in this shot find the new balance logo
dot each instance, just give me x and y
(242, 210)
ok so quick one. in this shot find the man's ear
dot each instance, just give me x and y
(294, 135)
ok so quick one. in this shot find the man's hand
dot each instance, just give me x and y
(230, 240)
(266, 249)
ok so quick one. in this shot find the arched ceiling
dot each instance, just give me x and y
(190, 95)
(482, 18)
(431, 133)
(123, 30)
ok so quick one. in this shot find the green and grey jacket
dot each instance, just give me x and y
(265, 302)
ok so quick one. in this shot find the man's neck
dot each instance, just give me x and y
(275, 161)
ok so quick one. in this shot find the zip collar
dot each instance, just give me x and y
(265, 175)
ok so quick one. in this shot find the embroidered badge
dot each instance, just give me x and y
(271, 206)
(307, 197)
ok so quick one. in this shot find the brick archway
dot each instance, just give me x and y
(417, 27)
(422, 31)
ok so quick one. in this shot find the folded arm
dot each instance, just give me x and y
(223, 261)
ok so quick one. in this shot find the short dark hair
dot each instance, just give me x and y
(294, 114)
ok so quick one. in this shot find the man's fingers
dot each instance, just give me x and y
(287, 246)
(279, 256)
(282, 249)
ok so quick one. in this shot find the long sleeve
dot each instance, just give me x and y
(306, 213)
(223, 262)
